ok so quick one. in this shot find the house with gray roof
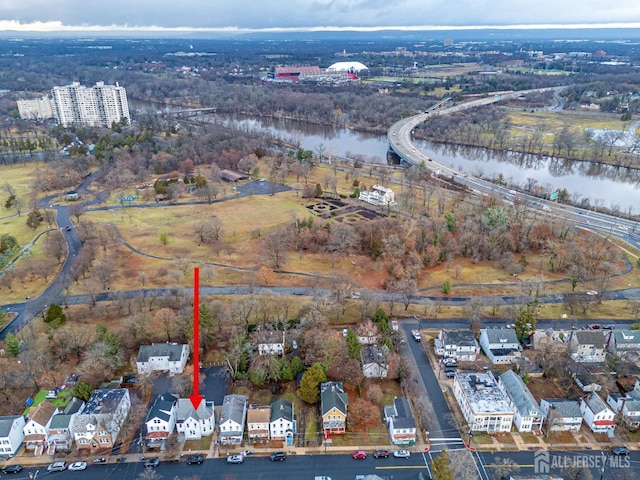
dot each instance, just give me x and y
(500, 345)
(587, 346)
(561, 414)
(625, 343)
(460, 345)
(35, 428)
(282, 423)
(194, 424)
(628, 406)
(232, 419)
(171, 357)
(374, 362)
(11, 434)
(333, 404)
(400, 422)
(597, 414)
(59, 436)
(528, 415)
(98, 424)
(161, 420)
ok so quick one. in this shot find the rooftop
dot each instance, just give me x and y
(171, 350)
(483, 393)
(104, 401)
(520, 395)
(401, 411)
(462, 338)
(564, 407)
(501, 335)
(233, 408)
(281, 409)
(186, 410)
(590, 337)
(258, 415)
(595, 403)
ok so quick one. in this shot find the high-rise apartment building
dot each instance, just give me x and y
(78, 105)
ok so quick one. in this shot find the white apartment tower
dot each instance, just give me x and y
(74, 104)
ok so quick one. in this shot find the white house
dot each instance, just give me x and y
(232, 419)
(282, 424)
(171, 357)
(374, 362)
(258, 423)
(97, 425)
(378, 195)
(587, 346)
(627, 406)
(194, 424)
(528, 415)
(161, 420)
(561, 414)
(11, 434)
(400, 422)
(625, 343)
(597, 414)
(368, 333)
(458, 344)
(500, 345)
(276, 348)
(484, 405)
(35, 428)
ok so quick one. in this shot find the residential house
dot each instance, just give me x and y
(597, 414)
(333, 403)
(192, 424)
(549, 339)
(400, 422)
(35, 428)
(11, 434)
(374, 362)
(97, 425)
(171, 357)
(232, 419)
(275, 348)
(484, 405)
(585, 378)
(625, 343)
(282, 424)
(59, 436)
(587, 346)
(268, 341)
(161, 420)
(460, 345)
(528, 414)
(500, 345)
(368, 333)
(627, 406)
(562, 414)
(258, 423)
(378, 195)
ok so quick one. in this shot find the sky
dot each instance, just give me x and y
(304, 15)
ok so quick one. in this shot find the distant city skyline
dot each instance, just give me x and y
(311, 15)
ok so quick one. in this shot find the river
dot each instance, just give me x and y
(602, 185)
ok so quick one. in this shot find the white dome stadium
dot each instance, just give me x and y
(347, 67)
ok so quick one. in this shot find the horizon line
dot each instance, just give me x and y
(12, 26)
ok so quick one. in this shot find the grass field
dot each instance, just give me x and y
(553, 121)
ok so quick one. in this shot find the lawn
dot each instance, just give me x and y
(197, 445)
(553, 122)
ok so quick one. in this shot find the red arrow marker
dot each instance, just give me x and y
(196, 398)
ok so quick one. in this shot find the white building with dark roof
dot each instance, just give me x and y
(528, 415)
(562, 414)
(11, 434)
(282, 423)
(400, 422)
(161, 420)
(232, 419)
(458, 344)
(171, 357)
(500, 345)
(378, 195)
(484, 405)
(374, 362)
(194, 424)
(597, 414)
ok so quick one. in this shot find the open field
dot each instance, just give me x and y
(554, 121)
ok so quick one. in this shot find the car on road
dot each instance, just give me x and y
(592, 293)
(402, 454)
(152, 462)
(381, 454)
(235, 459)
(344, 332)
(594, 326)
(620, 451)
(195, 459)
(359, 455)
(449, 362)
(278, 457)
(57, 467)
(77, 466)
(608, 327)
(68, 229)
(416, 335)
(12, 469)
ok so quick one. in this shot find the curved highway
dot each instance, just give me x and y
(400, 140)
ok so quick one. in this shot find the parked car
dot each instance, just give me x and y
(620, 450)
(416, 335)
(359, 455)
(592, 293)
(57, 467)
(152, 462)
(608, 327)
(450, 373)
(381, 454)
(402, 454)
(235, 459)
(278, 457)
(197, 459)
(450, 362)
(76, 466)
(344, 332)
(100, 460)
(12, 469)
(594, 326)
